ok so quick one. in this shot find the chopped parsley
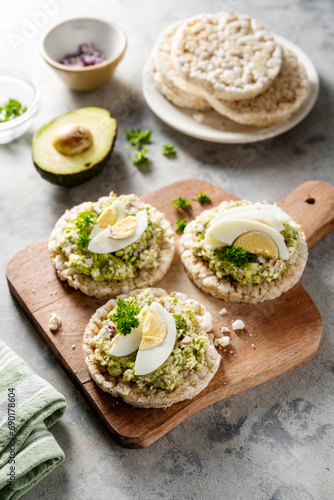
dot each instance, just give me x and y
(202, 198)
(125, 316)
(83, 239)
(137, 137)
(180, 324)
(168, 150)
(140, 158)
(181, 203)
(83, 221)
(180, 225)
(236, 255)
(10, 110)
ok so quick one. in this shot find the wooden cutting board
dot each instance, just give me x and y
(279, 334)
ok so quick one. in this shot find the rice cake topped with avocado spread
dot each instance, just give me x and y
(151, 348)
(112, 246)
(244, 252)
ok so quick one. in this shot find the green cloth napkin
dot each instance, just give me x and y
(28, 406)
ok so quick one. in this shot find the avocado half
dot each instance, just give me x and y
(70, 171)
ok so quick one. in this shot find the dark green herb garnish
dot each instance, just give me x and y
(83, 221)
(88, 164)
(125, 316)
(180, 225)
(181, 203)
(168, 150)
(10, 110)
(236, 255)
(202, 198)
(140, 158)
(137, 137)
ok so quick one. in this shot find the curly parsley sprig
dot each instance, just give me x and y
(137, 137)
(83, 222)
(181, 203)
(180, 225)
(236, 255)
(202, 198)
(168, 150)
(125, 316)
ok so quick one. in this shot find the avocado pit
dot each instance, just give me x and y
(73, 139)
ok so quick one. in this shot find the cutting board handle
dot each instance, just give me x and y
(312, 206)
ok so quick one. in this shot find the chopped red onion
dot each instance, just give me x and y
(200, 228)
(100, 340)
(110, 233)
(89, 261)
(137, 252)
(87, 55)
(261, 261)
(95, 211)
(152, 240)
(181, 337)
(112, 328)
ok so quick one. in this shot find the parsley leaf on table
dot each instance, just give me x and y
(125, 316)
(168, 150)
(140, 158)
(181, 203)
(137, 137)
(202, 198)
(180, 225)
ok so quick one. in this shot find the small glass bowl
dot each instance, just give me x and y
(17, 85)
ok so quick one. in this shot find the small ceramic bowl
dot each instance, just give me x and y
(17, 85)
(65, 38)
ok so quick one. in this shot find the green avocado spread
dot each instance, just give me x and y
(72, 242)
(243, 267)
(187, 354)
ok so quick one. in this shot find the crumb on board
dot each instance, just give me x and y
(54, 322)
(33, 290)
(224, 329)
(238, 324)
(222, 341)
(253, 346)
(73, 346)
(223, 311)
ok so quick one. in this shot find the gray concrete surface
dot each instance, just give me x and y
(274, 442)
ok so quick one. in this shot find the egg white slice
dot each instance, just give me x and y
(148, 360)
(274, 210)
(121, 214)
(126, 344)
(104, 244)
(257, 215)
(226, 231)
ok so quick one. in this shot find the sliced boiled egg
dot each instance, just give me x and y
(258, 243)
(109, 216)
(108, 241)
(226, 231)
(258, 215)
(122, 345)
(158, 339)
(124, 228)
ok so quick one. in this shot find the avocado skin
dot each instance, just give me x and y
(72, 180)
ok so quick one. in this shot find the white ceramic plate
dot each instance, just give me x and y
(218, 128)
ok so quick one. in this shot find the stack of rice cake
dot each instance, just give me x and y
(230, 63)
